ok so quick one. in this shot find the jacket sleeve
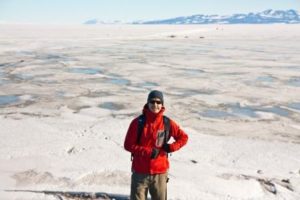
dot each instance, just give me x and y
(130, 143)
(179, 136)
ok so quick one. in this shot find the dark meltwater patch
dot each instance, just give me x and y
(276, 110)
(251, 111)
(2, 81)
(192, 92)
(89, 71)
(8, 99)
(119, 81)
(215, 114)
(111, 106)
(193, 72)
(294, 81)
(268, 79)
(60, 93)
(148, 84)
(295, 106)
(49, 56)
(243, 111)
(237, 111)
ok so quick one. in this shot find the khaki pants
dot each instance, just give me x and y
(156, 184)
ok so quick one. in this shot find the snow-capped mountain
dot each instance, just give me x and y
(265, 17)
(96, 21)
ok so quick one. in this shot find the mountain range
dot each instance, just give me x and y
(265, 17)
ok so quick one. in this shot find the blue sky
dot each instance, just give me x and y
(78, 11)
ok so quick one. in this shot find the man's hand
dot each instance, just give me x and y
(166, 148)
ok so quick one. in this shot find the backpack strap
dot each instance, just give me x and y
(167, 128)
(141, 124)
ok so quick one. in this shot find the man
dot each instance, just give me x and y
(150, 149)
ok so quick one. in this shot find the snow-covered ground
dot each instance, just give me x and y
(68, 94)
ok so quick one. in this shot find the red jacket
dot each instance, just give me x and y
(142, 163)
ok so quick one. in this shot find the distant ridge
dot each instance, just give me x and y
(96, 21)
(265, 17)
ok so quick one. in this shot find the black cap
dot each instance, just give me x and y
(156, 94)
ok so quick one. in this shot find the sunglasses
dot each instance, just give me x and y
(153, 102)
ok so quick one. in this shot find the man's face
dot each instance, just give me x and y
(155, 105)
